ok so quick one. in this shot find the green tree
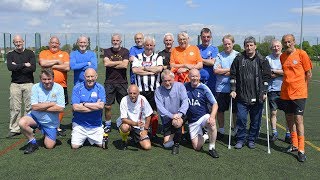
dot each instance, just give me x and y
(66, 47)
(237, 47)
(264, 48)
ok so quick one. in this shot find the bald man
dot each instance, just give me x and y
(21, 62)
(82, 59)
(135, 115)
(59, 61)
(88, 99)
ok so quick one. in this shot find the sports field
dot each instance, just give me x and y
(134, 163)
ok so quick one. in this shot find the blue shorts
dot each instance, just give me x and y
(51, 133)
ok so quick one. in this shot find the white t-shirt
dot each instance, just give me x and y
(135, 111)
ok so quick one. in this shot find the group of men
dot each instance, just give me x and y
(179, 84)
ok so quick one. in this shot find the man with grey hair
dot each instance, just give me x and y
(22, 63)
(168, 42)
(147, 67)
(172, 103)
(82, 59)
(116, 84)
(249, 77)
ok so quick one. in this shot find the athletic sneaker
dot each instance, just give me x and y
(274, 136)
(61, 132)
(175, 149)
(213, 153)
(107, 129)
(251, 145)
(239, 145)
(287, 139)
(124, 145)
(31, 148)
(291, 148)
(301, 157)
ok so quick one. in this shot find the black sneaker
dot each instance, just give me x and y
(107, 129)
(12, 134)
(291, 148)
(213, 153)
(301, 157)
(274, 136)
(220, 136)
(124, 145)
(287, 139)
(31, 148)
(61, 132)
(175, 149)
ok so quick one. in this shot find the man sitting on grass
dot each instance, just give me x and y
(47, 101)
(88, 99)
(135, 115)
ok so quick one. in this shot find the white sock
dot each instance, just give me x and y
(221, 130)
(212, 146)
(205, 137)
(108, 123)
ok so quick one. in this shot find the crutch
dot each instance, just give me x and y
(229, 145)
(267, 117)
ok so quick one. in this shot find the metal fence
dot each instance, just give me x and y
(35, 41)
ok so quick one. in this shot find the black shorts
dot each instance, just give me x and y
(168, 129)
(149, 95)
(66, 98)
(135, 135)
(223, 100)
(115, 91)
(295, 107)
(274, 100)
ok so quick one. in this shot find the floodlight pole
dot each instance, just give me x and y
(98, 32)
(301, 34)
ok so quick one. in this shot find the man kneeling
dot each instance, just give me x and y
(198, 113)
(47, 100)
(135, 115)
(88, 99)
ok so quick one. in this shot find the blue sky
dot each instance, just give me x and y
(238, 17)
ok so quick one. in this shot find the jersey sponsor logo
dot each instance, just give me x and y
(146, 64)
(193, 102)
(94, 95)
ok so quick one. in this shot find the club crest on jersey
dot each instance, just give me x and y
(193, 102)
(198, 94)
(53, 95)
(60, 55)
(191, 53)
(295, 62)
(94, 95)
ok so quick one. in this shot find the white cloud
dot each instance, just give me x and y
(112, 10)
(311, 9)
(36, 5)
(191, 4)
(34, 22)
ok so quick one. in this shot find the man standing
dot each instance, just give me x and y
(168, 42)
(172, 103)
(59, 61)
(208, 53)
(221, 67)
(275, 86)
(21, 62)
(116, 84)
(88, 99)
(199, 97)
(47, 100)
(135, 115)
(296, 66)
(135, 50)
(147, 67)
(249, 77)
(82, 59)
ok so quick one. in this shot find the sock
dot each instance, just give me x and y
(123, 135)
(212, 146)
(274, 131)
(221, 130)
(154, 124)
(107, 123)
(33, 141)
(294, 139)
(288, 131)
(61, 116)
(301, 143)
(205, 137)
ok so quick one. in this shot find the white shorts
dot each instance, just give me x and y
(80, 134)
(196, 128)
